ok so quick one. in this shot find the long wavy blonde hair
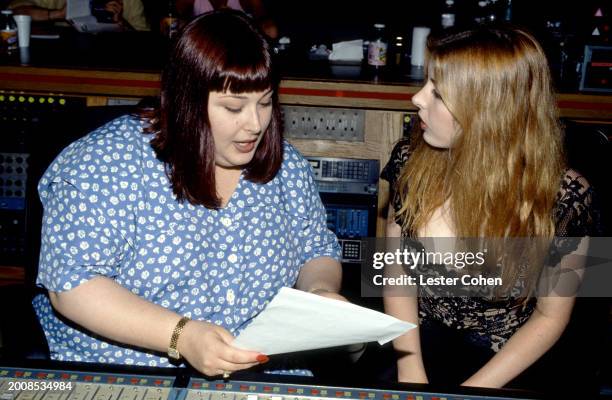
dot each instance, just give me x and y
(503, 172)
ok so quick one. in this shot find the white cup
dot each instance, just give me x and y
(24, 23)
(24, 55)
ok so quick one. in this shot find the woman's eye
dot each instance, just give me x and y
(436, 94)
(266, 104)
(233, 110)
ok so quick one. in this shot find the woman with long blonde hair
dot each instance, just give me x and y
(486, 162)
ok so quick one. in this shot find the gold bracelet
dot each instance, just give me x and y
(173, 352)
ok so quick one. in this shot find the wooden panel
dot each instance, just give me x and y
(382, 130)
(70, 81)
(585, 106)
(343, 94)
(93, 101)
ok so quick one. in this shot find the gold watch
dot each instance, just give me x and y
(173, 352)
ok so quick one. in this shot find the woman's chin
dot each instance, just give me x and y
(435, 142)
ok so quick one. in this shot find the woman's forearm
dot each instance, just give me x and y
(104, 307)
(403, 304)
(410, 366)
(527, 345)
(109, 310)
(320, 274)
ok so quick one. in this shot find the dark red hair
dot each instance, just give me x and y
(218, 51)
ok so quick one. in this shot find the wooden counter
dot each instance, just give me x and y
(100, 85)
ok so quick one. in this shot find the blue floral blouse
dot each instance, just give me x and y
(109, 211)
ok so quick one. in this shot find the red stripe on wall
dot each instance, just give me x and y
(345, 93)
(579, 105)
(59, 79)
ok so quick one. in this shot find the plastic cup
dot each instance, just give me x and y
(24, 24)
(24, 55)
(419, 42)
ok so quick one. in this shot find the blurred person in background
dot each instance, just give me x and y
(129, 14)
(255, 8)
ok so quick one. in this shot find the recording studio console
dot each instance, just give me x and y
(349, 191)
(30, 125)
(46, 384)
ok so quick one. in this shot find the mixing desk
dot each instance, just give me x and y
(45, 384)
(19, 384)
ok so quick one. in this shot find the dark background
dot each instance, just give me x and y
(563, 27)
(332, 20)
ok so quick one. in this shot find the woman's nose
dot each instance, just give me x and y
(417, 99)
(254, 121)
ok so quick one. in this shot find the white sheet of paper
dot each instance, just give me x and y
(77, 8)
(296, 321)
(348, 51)
(91, 25)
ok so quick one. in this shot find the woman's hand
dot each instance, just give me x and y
(207, 347)
(116, 8)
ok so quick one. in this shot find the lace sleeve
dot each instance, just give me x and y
(577, 212)
(393, 169)
(577, 215)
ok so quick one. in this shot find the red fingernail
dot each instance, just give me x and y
(262, 359)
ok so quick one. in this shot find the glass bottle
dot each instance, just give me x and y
(170, 23)
(377, 49)
(8, 32)
(398, 51)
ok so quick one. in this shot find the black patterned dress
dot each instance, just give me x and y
(480, 322)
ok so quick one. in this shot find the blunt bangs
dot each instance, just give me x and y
(248, 72)
(238, 60)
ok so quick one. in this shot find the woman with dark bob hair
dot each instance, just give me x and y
(165, 234)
